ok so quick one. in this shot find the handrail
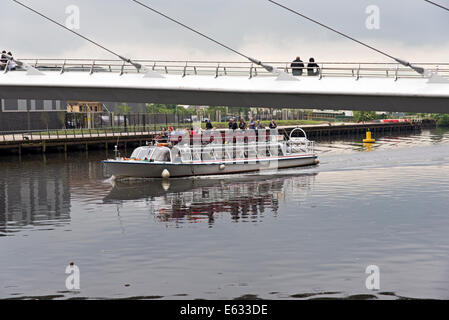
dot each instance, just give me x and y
(355, 70)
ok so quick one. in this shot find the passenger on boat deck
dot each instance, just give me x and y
(251, 124)
(312, 68)
(242, 124)
(297, 67)
(232, 124)
(208, 125)
(273, 124)
(259, 125)
(163, 137)
(3, 61)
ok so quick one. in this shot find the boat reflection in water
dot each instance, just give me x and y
(245, 198)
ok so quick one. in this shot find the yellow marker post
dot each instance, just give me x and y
(369, 138)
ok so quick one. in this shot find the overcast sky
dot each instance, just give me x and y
(411, 29)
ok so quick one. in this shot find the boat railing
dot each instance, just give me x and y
(217, 69)
(220, 151)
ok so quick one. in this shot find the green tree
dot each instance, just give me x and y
(364, 116)
(123, 108)
(443, 120)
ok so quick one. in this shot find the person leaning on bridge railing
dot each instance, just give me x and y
(297, 67)
(7, 61)
(312, 68)
(3, 61)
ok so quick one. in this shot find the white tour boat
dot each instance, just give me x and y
(269, 151)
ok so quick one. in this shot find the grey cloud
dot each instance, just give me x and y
(124, 25)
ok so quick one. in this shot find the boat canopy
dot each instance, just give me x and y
(142, 153)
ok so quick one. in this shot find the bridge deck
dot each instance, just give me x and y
(385, 87)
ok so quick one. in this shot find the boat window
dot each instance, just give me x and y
(161, 155)
(145, 153)
(276, 153)
(135, 153)
(142, 153)
(186, 155)
(208, 154)
(176, 155)
(196, 155)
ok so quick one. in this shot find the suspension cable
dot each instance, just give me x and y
(438, 5)
(403, 62)
(136, 65)
(258, 62)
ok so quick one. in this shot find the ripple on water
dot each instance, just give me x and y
(250, 236)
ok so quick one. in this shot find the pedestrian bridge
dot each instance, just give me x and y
(339, 85)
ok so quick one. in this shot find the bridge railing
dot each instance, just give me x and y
(219, 69)
(58, 134)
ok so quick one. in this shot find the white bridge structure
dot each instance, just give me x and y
(339, 85)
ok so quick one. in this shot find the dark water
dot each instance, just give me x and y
(301, 233)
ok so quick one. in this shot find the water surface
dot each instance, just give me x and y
(299, 233)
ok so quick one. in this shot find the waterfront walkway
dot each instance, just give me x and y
(104, 138)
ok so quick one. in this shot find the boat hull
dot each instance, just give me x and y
(142, 169)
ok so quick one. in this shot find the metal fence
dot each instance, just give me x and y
(128, 120)
(219, 69)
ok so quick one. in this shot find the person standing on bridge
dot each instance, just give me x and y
(297, 67)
